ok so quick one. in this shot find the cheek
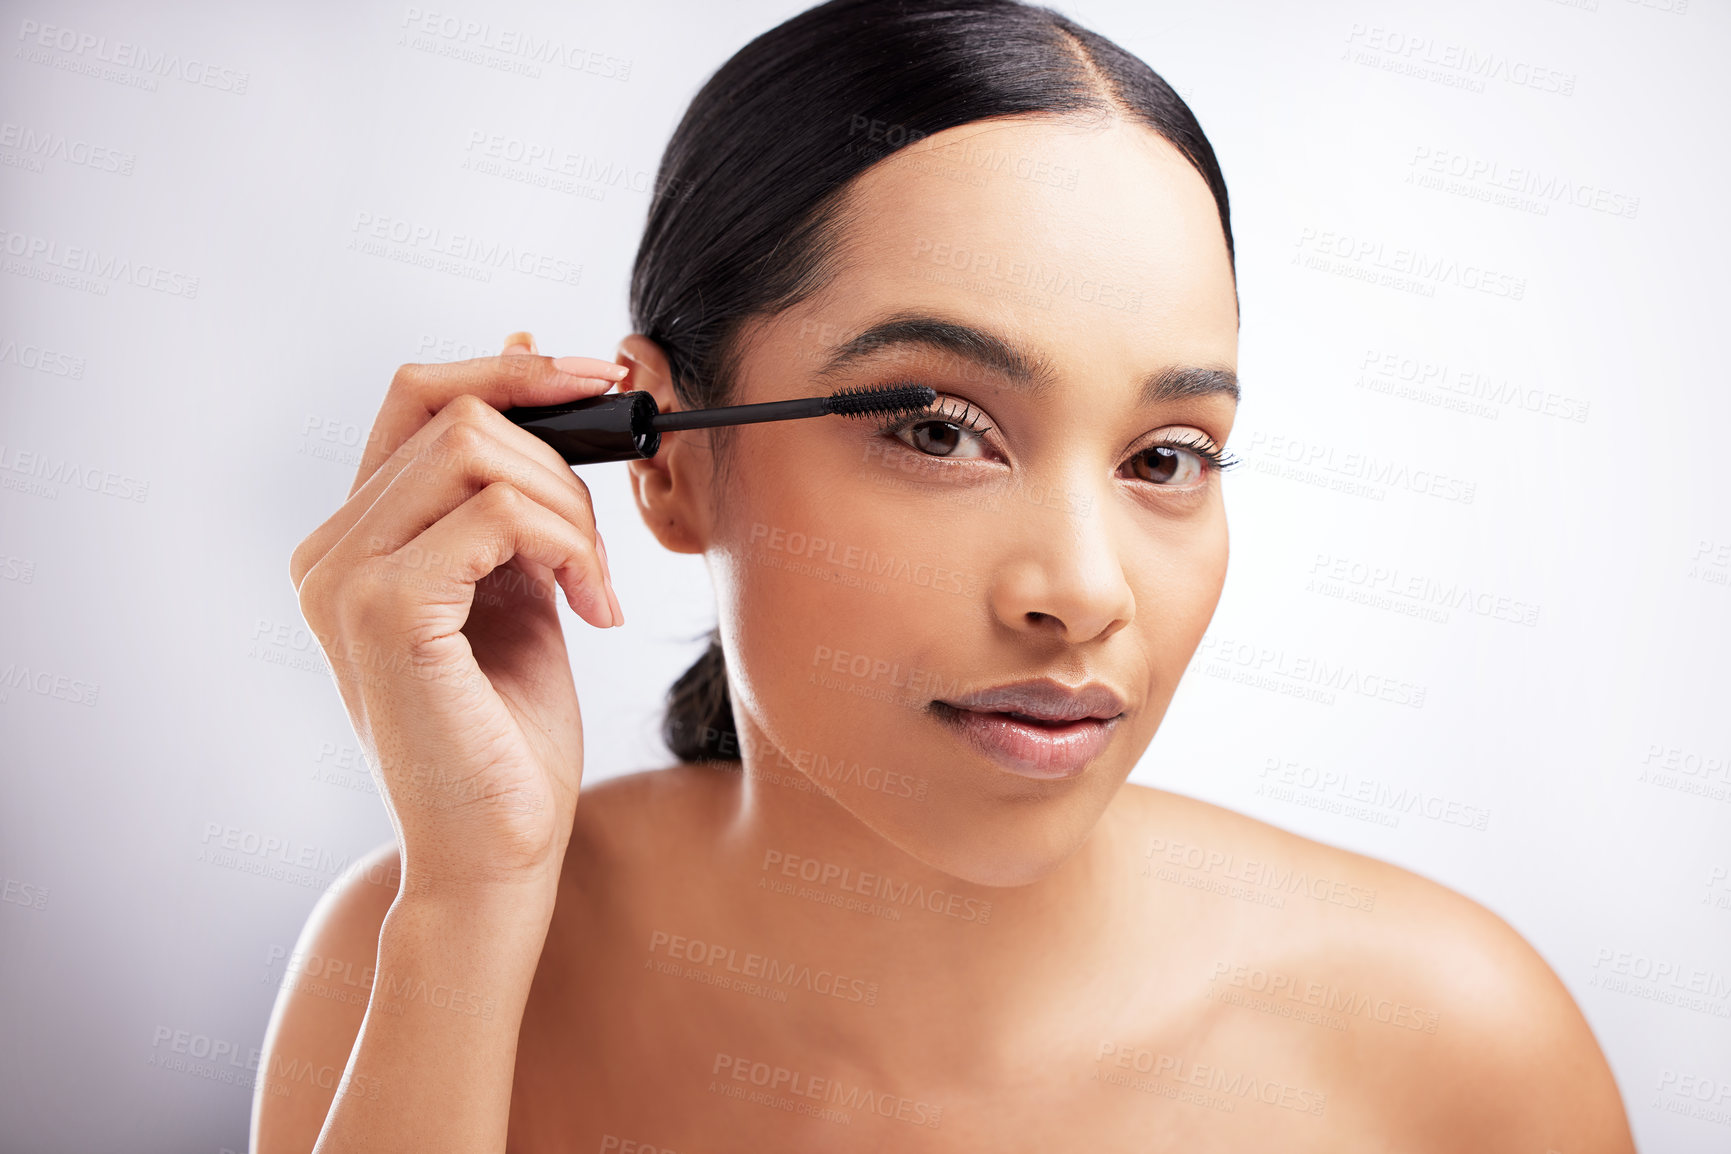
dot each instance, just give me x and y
(1177, 590)
(853, 549)
(833, 595)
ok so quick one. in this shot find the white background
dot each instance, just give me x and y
(185, 704)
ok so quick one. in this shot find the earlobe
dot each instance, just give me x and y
(661, 491)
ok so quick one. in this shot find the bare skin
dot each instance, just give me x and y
(925, 951)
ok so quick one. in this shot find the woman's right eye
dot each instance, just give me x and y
(938, 438)
(940, 432)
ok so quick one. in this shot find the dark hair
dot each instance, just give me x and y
(747, 218)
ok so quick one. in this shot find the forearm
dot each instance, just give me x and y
(431, 1070)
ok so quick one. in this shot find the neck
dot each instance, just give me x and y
(974, 972)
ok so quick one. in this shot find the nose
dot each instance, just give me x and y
(1063, 576)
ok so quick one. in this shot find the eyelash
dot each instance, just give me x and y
(967, 418)
(1215, 457)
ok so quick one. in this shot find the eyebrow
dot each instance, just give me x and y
(1031, 375)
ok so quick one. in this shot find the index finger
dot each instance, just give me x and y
(419, 391)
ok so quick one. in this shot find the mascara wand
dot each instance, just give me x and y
(628, 426)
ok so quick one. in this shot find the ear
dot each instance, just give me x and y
(672, 487)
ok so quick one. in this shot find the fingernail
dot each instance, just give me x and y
(590, 367)
(525, 341)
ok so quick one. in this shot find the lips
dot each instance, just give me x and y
(1040, 729)
(1044, 700)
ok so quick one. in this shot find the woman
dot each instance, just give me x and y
(897, 894)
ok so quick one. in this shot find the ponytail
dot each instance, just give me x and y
(698, 725)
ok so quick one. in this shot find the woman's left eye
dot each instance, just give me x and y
(1178, 464)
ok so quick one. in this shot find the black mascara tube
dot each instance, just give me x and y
(607, 427)
(628, 426)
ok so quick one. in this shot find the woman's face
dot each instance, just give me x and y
(1066, 291)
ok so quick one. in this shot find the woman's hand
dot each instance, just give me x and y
(431, 591)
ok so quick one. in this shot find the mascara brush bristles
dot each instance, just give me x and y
(894, 398)
(846, 403)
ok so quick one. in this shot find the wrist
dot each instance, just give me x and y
(462, 877)
(472, 951)
(451, 905)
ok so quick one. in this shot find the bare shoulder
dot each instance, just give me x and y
(684, 789)
(630, 830)
(639, 811)
(327, 983)
(1458, 1026)
(320, 1005)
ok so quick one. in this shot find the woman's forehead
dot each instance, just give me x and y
(1046, 226)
